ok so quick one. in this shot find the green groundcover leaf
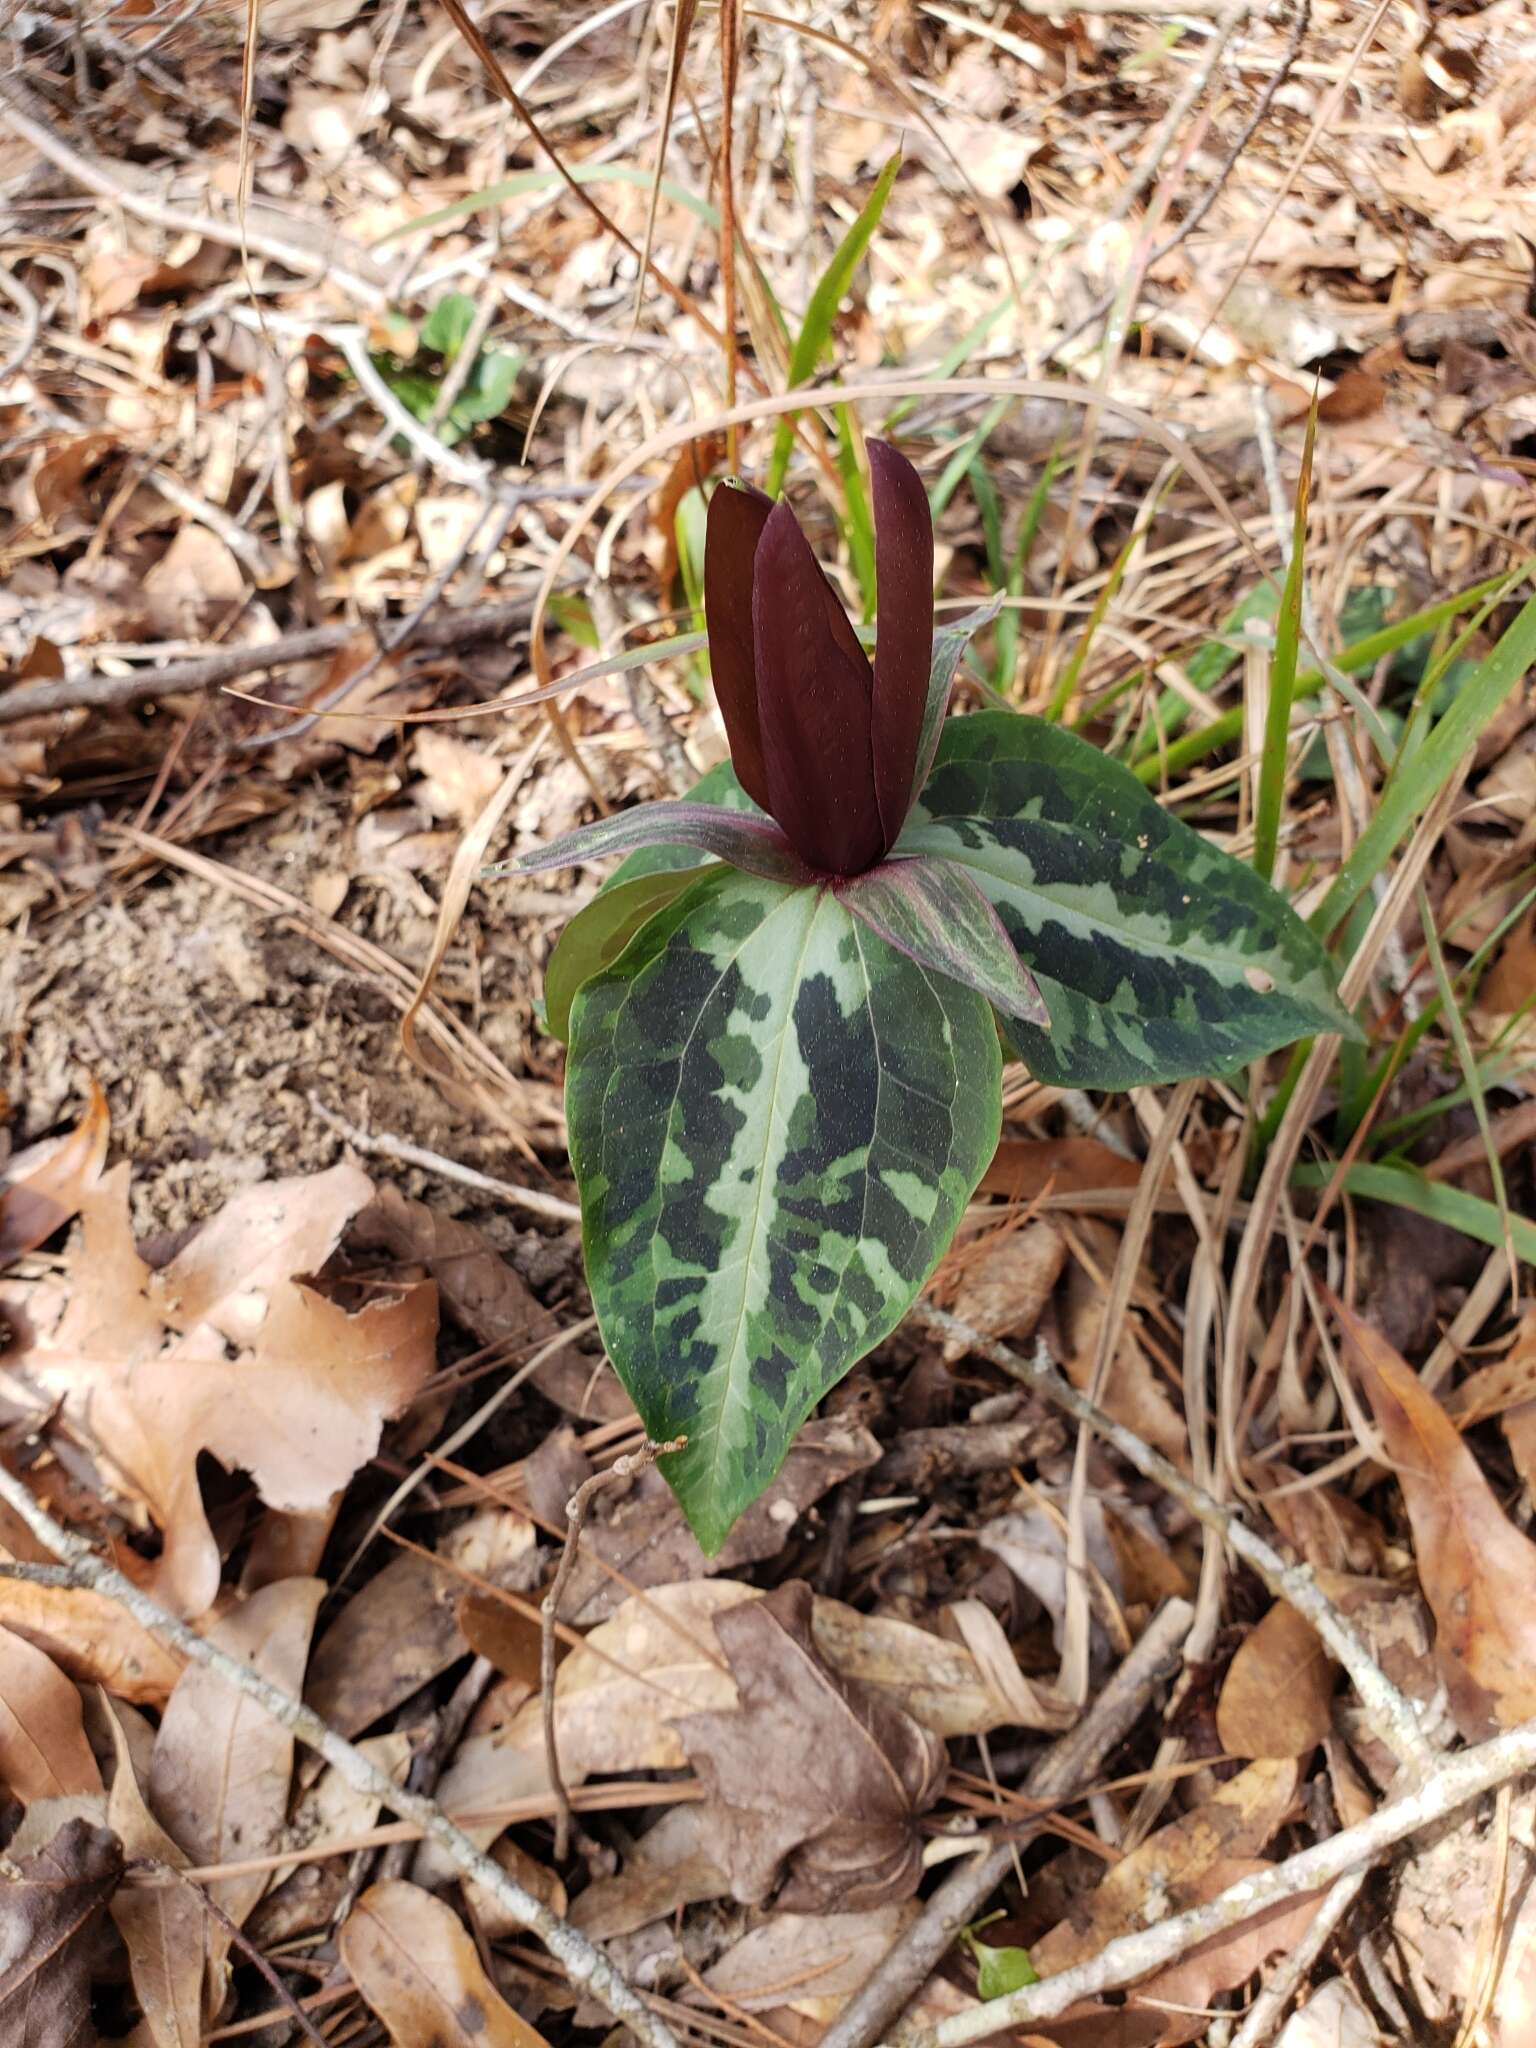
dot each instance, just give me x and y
(597, 936)
(1158, 956)
(776, 1121)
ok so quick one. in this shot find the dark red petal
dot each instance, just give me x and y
(813, 701)
(903, 627)
(737, 516)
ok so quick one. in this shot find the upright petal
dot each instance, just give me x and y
(903, 627)
(813, 701)
(737, 516)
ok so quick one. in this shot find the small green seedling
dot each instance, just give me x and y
(999, 1971)
(487, 390)
(787, 1010)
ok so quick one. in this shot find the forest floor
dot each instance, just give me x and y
(335, 415)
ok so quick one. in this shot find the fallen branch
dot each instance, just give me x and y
(1453, 1783)
(1268, 2009)
(585, 1964)
(99, 691)
(1068, 1767)
(1391, 1714)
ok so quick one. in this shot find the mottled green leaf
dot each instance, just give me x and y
(1158, 955)
(597, 936)
(935, 913)
(776, 1121)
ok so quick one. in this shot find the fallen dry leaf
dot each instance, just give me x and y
(400, 1629)
(1477, 1571)
(142, 1363)
(636, 1536)
(1170, 1869)
(1277, 1696)
(1004, 1283)
(51, 1908)
(490, 1300)
(1023, 1169)
(834, 1821)
(793, 1957)
(1333, 2017)
(673, 1864)
(94, 1640)
(161, 1921)
(219, 1778)
(459, 780)
(196, 581)
(43, 1750)
(45, 1185)
(415, 1964)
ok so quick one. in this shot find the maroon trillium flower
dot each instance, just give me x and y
(822, 740)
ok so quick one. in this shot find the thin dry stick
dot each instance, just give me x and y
(577, 1508)
(584, 1964)
(381, 1144)
(1393, 1717)
(1066, 1769)
(1268, 2009)
(266, 232)
(1075, 1628)
(1453, 1783)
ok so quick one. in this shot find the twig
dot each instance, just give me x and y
(1453, 1783)
(381, 1144)
(1268, 2009)
(586, 1965)
(1067, 1767)
(31, 320)
(577, 1508)
(1393, 1717)
(239, 1940)
(263, 231)
(460, 468)
(100, 692)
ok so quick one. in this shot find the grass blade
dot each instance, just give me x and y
(1282, 677)
(1406, 1189)
(1415, 782)
(816, 328)
(1364, 654)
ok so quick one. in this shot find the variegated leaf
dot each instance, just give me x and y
(776, 1121)
(935, 913)
(747, 839)
(1158, 955)
(599, 933)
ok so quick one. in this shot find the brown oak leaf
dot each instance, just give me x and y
(817, 1781)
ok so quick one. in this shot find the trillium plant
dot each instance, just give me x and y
(787, 1011)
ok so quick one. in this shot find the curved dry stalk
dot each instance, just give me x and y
(585, 1964)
